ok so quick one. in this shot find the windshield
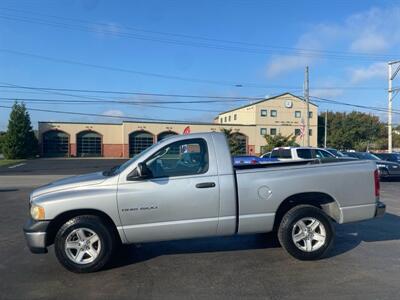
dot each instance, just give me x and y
(337, 153)
(366, 155)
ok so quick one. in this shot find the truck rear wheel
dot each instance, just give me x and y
(84, 244)
(306, 232)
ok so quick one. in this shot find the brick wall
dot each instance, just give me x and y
(113, 150)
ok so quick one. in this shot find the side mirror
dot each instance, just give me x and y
(141, 172)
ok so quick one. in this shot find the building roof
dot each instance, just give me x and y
(263, 100)
(148, 122)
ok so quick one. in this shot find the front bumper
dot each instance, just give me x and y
(380, 209)
(35, 235)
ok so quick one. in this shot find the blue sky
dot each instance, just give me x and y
(152, 36)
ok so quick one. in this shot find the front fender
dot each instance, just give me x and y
(100, 197)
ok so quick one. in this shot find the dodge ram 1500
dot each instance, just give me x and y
(185, 187)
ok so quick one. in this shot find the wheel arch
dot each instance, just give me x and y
(56, 223)
(318, 199)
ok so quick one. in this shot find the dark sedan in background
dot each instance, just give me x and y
(386, 168)
(394, 157)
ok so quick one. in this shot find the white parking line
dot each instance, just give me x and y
(16, 166)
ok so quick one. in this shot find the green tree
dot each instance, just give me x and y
(396, 137)
(20, 140)
(354, 130)
(2, 137)
(234, 145)
(279, 141)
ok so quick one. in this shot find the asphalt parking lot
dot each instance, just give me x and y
(364, 264)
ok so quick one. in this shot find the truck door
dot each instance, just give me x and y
(179, 200)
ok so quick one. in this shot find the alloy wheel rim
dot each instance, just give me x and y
(82, 246)
(309, 234)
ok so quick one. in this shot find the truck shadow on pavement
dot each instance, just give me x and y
(348, 237)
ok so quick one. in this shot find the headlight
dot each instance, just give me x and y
(380, 166)
(37, 212)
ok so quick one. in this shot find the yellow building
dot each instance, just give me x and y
(284, 114)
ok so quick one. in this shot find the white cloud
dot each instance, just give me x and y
(373, 71)
(326, 93)
(106, 29)
(375, 30)
(369, 42)
(283, 64)
(113, 112)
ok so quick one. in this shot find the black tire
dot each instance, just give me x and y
(105, 237)
(288, 227)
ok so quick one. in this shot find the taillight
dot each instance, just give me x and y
(377, 183)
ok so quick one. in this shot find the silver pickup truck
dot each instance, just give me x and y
(186, 187)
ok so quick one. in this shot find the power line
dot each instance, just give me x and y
(130, 71)
(100, 115)
(151, 103)
(69, 102)
(145, 101)
(138, 119)
(13, 86)
(373, 108)
(191, 39)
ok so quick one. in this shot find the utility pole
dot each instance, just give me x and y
(391, 77)
(326, 127)
(307, 98)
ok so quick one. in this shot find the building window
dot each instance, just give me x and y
(297, 114)
(229, 118)
(264, 113)
(235, 117)
(310, 132)
(221, 120)
(310, 114)
(225, 119)
(274, 113)
(297, 132)
(272, 131)
(263, 131)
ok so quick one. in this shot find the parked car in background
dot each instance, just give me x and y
(386, 168)
(338, 154)
(395, 157)
(300, 153)
(251, 159)
(266, 155)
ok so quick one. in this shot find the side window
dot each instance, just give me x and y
(322, 154)
(304, 153)
(281, 153)
(188, 157)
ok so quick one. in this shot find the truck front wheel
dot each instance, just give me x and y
(84, 244)
(306, 232)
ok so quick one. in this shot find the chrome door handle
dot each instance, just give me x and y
(205, 185)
